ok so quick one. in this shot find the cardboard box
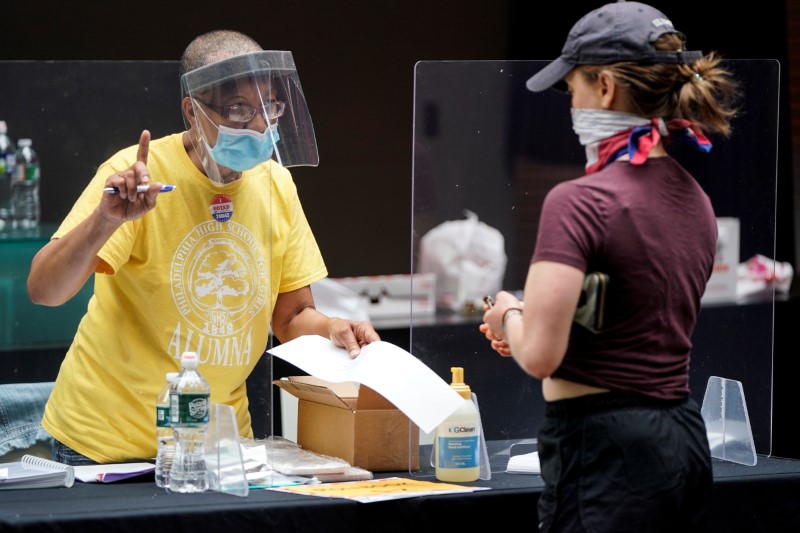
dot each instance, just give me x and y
(353, 423)
(397, 295)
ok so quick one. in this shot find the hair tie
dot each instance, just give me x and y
(698, 77)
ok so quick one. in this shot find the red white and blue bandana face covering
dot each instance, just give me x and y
(609, 135)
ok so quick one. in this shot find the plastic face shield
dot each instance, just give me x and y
(266, 81)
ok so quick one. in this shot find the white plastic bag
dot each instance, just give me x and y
(468, 258)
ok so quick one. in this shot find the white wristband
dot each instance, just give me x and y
(511, 311)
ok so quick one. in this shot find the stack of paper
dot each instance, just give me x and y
(276, 460)
(526, 463)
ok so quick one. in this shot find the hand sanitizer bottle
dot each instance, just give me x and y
(458, 438)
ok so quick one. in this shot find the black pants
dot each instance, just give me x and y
(616, 462)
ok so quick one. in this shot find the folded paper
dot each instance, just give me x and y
(398, 376)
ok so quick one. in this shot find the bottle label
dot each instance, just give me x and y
(462, 449)
(32, 173)
(162, 416)
(189, 410)
(9, 163)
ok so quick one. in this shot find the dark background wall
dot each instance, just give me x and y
(356, 63)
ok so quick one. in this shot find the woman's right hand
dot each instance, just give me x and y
(64, 265)
(498, 345)
(128, 204)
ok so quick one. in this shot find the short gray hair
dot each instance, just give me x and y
(214, 46)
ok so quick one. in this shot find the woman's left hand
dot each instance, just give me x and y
(352, 335)
(498, 345)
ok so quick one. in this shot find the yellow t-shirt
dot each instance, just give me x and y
(200, 272)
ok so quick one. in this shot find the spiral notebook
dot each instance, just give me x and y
(33, 472)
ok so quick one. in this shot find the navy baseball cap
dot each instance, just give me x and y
(616, 32)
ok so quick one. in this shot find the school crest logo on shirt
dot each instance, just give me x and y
(219, 283)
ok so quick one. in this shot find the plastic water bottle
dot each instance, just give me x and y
(8, 159)
(25, 210)
(189, 408)
(164, 435)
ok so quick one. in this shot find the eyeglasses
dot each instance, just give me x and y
(244, 113)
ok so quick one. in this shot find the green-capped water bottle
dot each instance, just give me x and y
(165, 438)
(189, 410)
(25, 209)
(8, 160)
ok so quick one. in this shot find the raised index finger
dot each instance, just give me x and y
(144, 147)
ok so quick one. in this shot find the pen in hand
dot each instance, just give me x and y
(139, 188)
(489, 301)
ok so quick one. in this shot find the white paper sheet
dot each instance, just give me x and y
(397, 375)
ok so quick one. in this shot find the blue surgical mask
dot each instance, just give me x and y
(242, 149)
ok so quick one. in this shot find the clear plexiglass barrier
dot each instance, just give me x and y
(488, 150)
